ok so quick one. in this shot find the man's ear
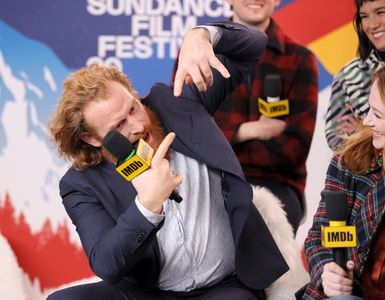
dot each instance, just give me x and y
(90, 139)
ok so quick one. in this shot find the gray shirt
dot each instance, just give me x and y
(196, 244)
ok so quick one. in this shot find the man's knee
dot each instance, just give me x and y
(59, 295)
(93, 291)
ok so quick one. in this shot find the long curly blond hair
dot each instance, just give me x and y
(67, 124)
(358, 151)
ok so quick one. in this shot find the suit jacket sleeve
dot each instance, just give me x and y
(116, 238)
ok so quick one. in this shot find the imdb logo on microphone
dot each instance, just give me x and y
(338, 236)
(138, 163)
(273, 109)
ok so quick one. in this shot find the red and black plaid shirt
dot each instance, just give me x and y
(283, 157)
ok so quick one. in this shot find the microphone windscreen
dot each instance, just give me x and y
(336, 205)
(117, 144)
(272, 85)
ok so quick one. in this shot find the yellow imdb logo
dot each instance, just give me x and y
(137, 163)
(273, 109)
(338, 237)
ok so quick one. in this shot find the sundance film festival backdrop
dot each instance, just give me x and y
(42, 41)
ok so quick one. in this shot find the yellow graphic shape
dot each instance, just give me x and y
(336, 48)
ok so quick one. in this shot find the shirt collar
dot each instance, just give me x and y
(276, 36)
(372, 61)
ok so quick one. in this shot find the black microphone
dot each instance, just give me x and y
(273, 106)
(337, 235)
(272, 87)
(132, 159)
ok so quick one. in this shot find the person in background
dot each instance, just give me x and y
(214, 244)
(273, 151)
(350, 88)
(357, 169)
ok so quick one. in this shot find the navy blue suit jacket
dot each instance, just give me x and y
(118, 240)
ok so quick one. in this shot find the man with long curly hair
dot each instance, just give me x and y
(212, 245)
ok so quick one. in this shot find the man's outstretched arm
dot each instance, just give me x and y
(205, 60)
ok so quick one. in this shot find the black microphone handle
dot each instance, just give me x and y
(339, 255)
(175, 196)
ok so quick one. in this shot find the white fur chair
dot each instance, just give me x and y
(11, 282)
(270, 207)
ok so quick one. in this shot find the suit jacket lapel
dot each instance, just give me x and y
(121, 192)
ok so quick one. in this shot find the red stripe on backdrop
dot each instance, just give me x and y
(308, 20)
(48, 255)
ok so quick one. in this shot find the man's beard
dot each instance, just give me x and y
(154, 128)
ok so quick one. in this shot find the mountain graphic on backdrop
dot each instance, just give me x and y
(34, 222)
(48, 256)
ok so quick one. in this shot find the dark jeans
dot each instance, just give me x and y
(228, 289)
(288, 196)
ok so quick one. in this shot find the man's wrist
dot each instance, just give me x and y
(214, 32)
(154, 218)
